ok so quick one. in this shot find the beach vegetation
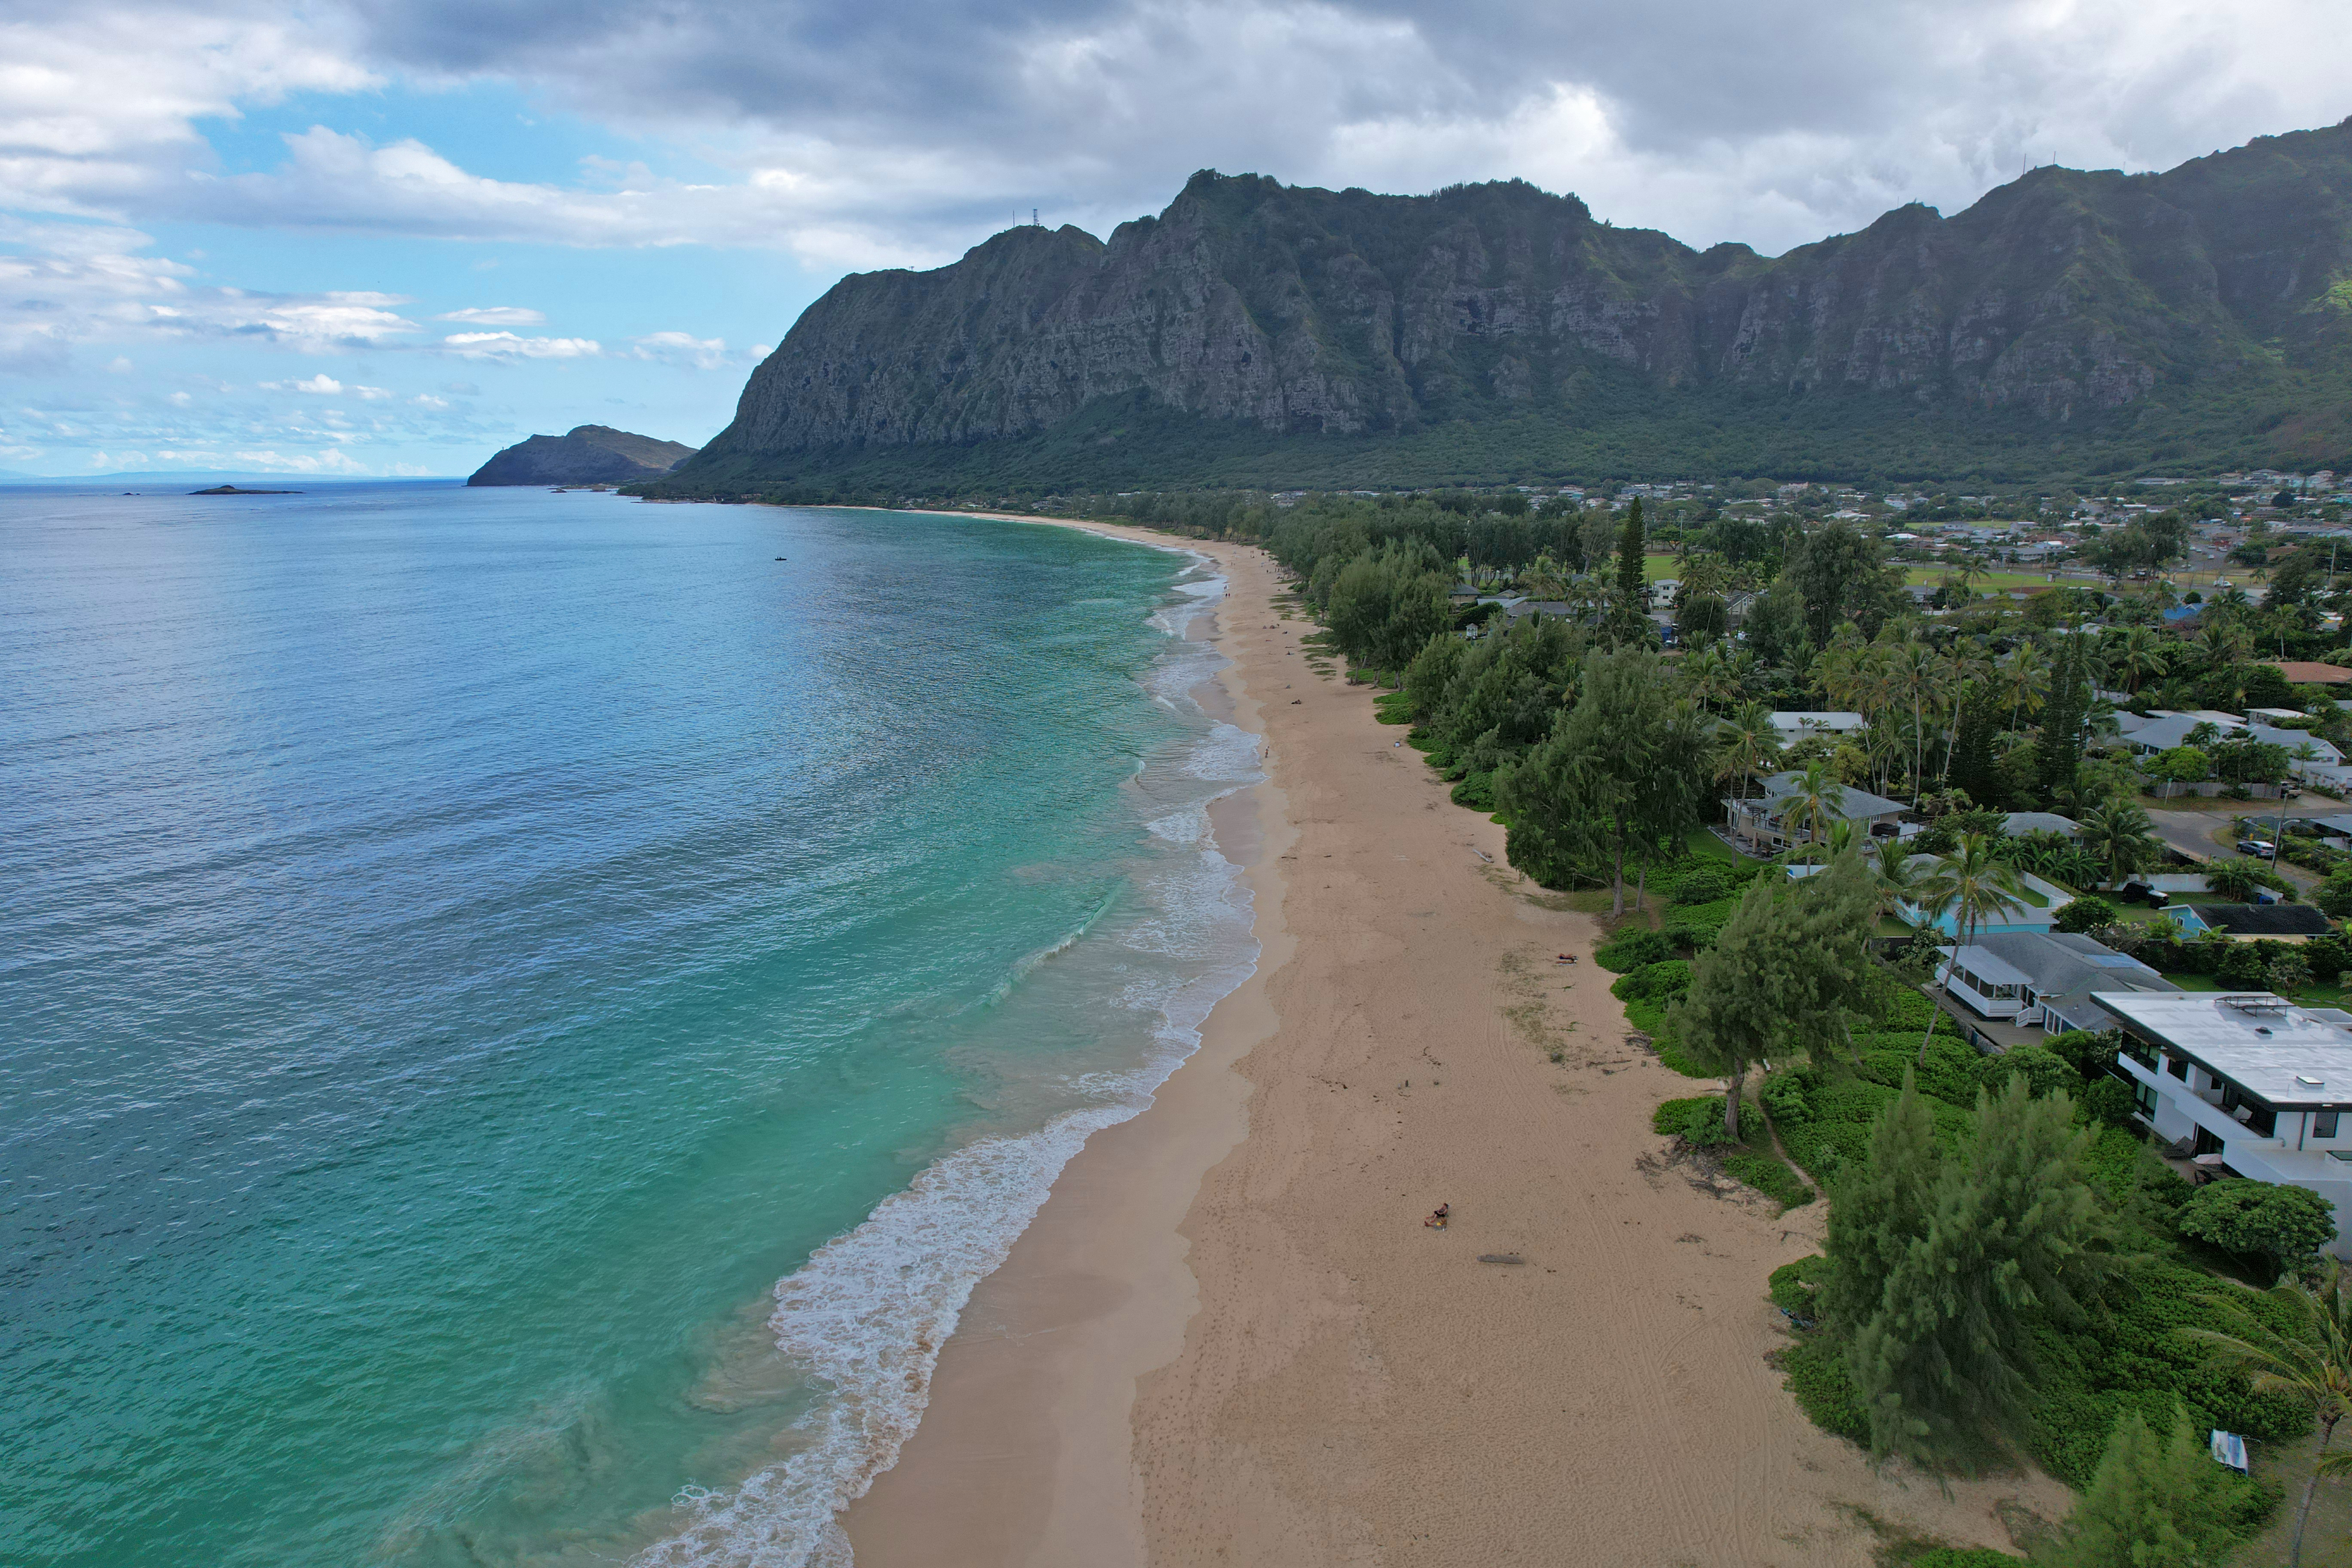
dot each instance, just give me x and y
(2299, 1350)
(2032, 1285)
(1786, 970)
(2008, 1237)
(1747, 1156)
(2284, 1225)
(2157, 1500)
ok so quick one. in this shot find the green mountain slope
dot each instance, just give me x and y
(2069, 323)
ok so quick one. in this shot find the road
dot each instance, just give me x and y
(2204, 835)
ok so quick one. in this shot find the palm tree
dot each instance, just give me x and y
(1544, 578)
(2122, 837)
(2233, 879)
(1967, 884)
(1815, 801)
(1751, 745)
(1914, 669)
(2023, 675)
(1708, 673)
(2310, 1358)
(2139, 655)
(1893, 874)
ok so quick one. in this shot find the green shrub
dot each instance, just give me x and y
(1957, 1557)
(1950, 1073)
(2108, 1101)
(2090, 1054)
(1696, 926)
(1793, 1284)
(2119, 1163)
(1837, 1126)
(1476, 792)
(2240, 967)
(2259, 1219)
(1393, 708)
(2132, 1354)
(1814, 1371)
(2329, 956)
(2044, 1071)
(2088, 912)
(1699, 1122)
(1633, 947)
(1664, 983)
(1702, 884)
(1770, 1175)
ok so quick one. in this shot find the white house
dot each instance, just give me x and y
(2249, 1083)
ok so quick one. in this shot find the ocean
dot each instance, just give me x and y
(523, 1015)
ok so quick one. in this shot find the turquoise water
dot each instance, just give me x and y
(525, 1015)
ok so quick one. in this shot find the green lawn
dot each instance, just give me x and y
(1708, 846)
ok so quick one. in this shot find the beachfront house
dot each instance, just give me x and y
(2043, 979)
(2035, 908)
(2247, 1084)
(1760, 825)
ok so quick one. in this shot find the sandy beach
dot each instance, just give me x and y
(1229, 1339)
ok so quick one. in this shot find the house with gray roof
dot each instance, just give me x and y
(1760, 826)
(2044, 979)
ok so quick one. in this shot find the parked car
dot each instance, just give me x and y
(2260, 848)
(2141, 893)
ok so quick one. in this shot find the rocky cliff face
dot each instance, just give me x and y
(2062, 297)
(586, 455)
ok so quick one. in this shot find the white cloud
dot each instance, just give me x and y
(373, 393)
(681, 349)
(507, 346)
(328, 460)
(426, 400)
(320, 386)
(496, 316)
(899, 131)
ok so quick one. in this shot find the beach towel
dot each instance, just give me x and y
(2229, 1449)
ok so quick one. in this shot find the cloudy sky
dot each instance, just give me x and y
(388, 236)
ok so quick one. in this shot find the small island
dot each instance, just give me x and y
(235, 491)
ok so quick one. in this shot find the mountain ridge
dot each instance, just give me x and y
(1254, 332)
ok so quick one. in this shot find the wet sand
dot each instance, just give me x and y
(1229, 1339)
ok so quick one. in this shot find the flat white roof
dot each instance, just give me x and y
(2290, 1058)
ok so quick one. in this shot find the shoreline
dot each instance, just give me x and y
(1022, 1455)
(1226, 1337)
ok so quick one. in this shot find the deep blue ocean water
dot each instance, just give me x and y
(461, 949)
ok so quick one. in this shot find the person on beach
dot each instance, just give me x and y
(1437, 1220)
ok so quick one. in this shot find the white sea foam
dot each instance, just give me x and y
(869, 1312)
(866, 1315)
